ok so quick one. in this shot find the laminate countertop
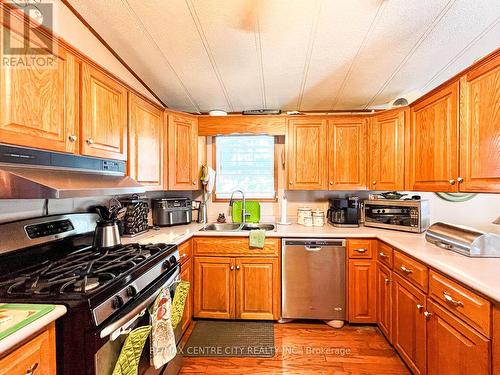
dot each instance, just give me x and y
(480, 274)
(24, 333)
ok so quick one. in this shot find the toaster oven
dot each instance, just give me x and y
(403, 215)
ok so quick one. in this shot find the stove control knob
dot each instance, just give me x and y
(117, 302)
(131, 291)
(166, 265)
(173, 260)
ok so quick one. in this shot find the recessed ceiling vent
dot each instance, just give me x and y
(400, 102)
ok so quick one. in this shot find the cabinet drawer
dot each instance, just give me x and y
(185, 250)
(411, 270)
(384, 254)
(467, 305)
(361, 248)
(37, 355)
(233, 246)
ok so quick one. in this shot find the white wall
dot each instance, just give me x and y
(67, 26)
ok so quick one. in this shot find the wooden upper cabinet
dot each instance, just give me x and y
(104, 115)
(257, 288)
(307, 154)
(214, 287)
(434, 142)
(387, 150)
(453, 347)
(145, 143)
(480, 128)
(347, 151)
(183, 171)
(39, 106)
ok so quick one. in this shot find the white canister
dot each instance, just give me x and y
(308, 221)
(318, 218)
(302, 213)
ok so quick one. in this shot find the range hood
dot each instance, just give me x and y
(28, 174)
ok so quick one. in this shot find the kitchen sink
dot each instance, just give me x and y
(232, 227)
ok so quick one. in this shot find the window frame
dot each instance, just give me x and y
(214, 166)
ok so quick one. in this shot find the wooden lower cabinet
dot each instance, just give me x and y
(214, 287)
(409, 324)
(37, 356)
(257, 294)
(384, 300)
(187, 275)
(453, 347)
(361, 291)
(236, 288)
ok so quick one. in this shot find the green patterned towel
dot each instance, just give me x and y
(178, 303)
(257, 238)
(128, 361)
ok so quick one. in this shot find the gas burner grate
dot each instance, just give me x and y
(80, 272)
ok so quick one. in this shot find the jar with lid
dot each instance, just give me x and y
(302, 213)
(318, 218)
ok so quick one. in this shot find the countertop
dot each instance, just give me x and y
(27, 331)
(480, 274)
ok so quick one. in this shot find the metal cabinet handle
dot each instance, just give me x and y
(331, 182)
(32, 369)
(448, 298)
(183, 256)
(291, 182)
(90, 141)
(387, 281)
(407, 270)
(460, 179)
(231, 268)
(427, 314)
(194, 182)
(382, 254)
(419, 307)
(362, 250)
(237, 268)
(374, 182)
(72, 138)
(452, 182)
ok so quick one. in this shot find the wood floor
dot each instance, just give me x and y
(311, 348)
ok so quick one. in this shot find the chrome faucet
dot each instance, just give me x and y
(243, 206)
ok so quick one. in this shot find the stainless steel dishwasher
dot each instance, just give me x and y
(313, 279)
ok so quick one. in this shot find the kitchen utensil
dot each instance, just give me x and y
(392, 195)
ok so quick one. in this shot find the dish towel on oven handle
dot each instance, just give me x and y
(163, 347)
(130, 355)
(179, 302)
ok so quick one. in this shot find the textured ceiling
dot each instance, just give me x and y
(234, 55)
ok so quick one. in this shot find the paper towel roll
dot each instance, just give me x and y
(283, 211)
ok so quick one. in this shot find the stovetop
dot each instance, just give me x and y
(78, 273)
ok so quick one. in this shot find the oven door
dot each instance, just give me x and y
(115, 332)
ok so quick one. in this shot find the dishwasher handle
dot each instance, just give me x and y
(313, 247)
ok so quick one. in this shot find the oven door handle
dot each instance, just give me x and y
(125, 321)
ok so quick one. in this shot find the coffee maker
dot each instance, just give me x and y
(344, 212)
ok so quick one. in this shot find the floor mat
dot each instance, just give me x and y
(231, 339)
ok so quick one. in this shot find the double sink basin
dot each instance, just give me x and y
(234, 227)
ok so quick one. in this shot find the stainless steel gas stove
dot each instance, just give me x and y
(107, 291)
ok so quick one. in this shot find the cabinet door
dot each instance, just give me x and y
(187, 275)
(362, 292)
(384, 300)
(214, 287)
(182, 153)
(387, 151)
(480, 128)
(104, 115)
(145, 159)
(39, 106)
(347, 149)
(434, 142)
(307, 154)
(408, 330)
(453, 347)
(257, 288)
